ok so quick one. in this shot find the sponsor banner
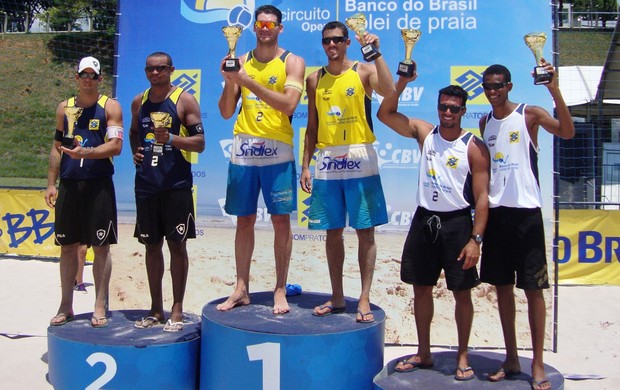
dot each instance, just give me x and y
(26, 224)
(589, 247)
(460, 38)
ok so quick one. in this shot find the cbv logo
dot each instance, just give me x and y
(390, 157)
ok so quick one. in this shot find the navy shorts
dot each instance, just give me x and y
(514, 243)
(167, 214)
(433, 243)
(86, 212)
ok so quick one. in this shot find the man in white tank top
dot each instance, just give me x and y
(514, 238)
(454, 178)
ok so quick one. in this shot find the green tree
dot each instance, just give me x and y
(603, 10)
(22, 12)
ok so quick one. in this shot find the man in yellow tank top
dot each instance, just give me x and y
(346, 175)
(269, 84)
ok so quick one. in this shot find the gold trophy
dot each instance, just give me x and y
(160, 119)
(232, 34)
(536, 42)
(72, 113)
(357, 23)
(406, 67)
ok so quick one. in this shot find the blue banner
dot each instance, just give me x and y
(460, 38)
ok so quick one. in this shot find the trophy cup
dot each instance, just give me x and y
(73, 114)
(406, 67)
(232, 34)
(160, 119)
(357, 23)
(536, 41)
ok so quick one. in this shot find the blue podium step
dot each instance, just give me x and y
(249, 347)
(120, 356)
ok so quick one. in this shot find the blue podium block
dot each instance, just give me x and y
(120, 356)
(441, 375)
(249, 347)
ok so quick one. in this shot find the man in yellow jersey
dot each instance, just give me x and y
(346, 176)
(269, 83)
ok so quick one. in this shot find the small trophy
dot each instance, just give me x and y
(160, 119)
(232, 34)
(73, 114)
(406, 67)
(536, 41)
(357, 23)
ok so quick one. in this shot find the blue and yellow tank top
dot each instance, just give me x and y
(90, 131)
(257, 118)
(344, 109)
(173, 169)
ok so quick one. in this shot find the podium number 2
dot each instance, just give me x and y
(108, 374)
(269, 353)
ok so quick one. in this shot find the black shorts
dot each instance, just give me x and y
(86, 212)
(167, 214)
(434, 242)
(514, 242)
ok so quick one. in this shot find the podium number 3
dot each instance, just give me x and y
(269, 353)
(108, 374)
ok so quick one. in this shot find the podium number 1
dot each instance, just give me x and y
(269, 353)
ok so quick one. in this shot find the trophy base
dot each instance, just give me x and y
(541, 76)
(406, 70)
(68, 142)
(370, 52)
(231, 65)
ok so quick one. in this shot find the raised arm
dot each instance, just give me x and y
(400, 123)
(563, 126)
(231, 92)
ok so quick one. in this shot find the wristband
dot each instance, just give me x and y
(58, 135)
(170, 139)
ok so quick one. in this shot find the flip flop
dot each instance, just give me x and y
(67, 317)
(503, 374)
(414, 365)
(147, 322)
(330, 310)
(537, 385)
(463, 370)
(173, 326)
(100, 322)
(365, 320)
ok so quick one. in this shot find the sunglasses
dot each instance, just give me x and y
(269, 25)
(87, 75)
(494, 86)
(159, 68)
(336, 40)
(453, 109)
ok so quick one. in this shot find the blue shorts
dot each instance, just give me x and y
(347, 182)
(259, 164)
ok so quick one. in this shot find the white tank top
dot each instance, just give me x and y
(445, 176)
(514, 162)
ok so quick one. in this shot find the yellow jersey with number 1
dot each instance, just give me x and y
(344, 109)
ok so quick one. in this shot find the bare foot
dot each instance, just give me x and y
(233, 301)
(280, 304)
